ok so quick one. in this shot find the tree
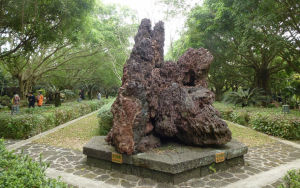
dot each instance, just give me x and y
(26, 24)
(105, 33)
(103, 70)
(29, 69)
(237, 28)
(285, 16)
(6, 81)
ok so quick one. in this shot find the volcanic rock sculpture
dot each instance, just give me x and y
(160, 99)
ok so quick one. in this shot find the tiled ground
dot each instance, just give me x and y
(257, 160)
(275, 184)
(10, 142)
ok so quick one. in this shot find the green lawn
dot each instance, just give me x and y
(74, 136)
(248, 136)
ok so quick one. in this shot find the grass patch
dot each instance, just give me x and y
(249, 137)
(74, 136)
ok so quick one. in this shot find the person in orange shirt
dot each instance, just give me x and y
(40, 99)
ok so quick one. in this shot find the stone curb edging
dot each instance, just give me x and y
(29, 140)
(77, 181)
(264, 178)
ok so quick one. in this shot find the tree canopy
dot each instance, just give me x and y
(71, 44)
(253, 42)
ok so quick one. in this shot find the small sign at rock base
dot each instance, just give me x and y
(220, 157)
(116, 158)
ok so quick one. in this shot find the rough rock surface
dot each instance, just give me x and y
(160, 99)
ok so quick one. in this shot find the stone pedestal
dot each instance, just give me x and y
(170, 163)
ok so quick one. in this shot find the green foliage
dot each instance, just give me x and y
(105, 118)
(212, 168)
(276, 125)
(267, 120)
(20, 171)
(291, 179)
(5, 101)
(247, 39)
(245, 97)
(34, 121)
(109, 29)
(241, 117)
(28, 24)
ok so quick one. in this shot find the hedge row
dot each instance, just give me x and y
(105, 118)
(34, 121)
(269, 121)
(21, 171)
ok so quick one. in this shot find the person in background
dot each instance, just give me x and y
(81, 95)
(99, 95)
(31, 100)
(15, 104)
(40, 99)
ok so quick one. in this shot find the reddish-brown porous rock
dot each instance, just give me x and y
(160, 99)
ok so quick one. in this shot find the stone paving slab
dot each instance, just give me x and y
(258, 159)
(9, 142)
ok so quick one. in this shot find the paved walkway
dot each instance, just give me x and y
(258, 160)
(265, 166)
(9, 142)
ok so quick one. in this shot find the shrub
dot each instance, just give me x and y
(105, 118)
(276, 125)
(34, 121)
(245, 97)
(291, 179)
(21, 171)
(241, 117)
(5, 101)
(269, 121)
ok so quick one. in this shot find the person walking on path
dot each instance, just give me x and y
(40, 99)
(31, 100)
(15, 108)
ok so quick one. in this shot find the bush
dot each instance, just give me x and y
(21, 171)
(277, 125)
(291, 179)
(269, 121)
(105, 118)
(245, 97)
(5, 101)
(241, 117)
(34, 121)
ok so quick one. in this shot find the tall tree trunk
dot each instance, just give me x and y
(90, 93)
(219, 93)
(57, 101)
(25, 88)
(262, 80)
(22, 87)
(25, 85)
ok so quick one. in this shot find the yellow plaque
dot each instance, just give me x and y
(220, 157)
(116, 158)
